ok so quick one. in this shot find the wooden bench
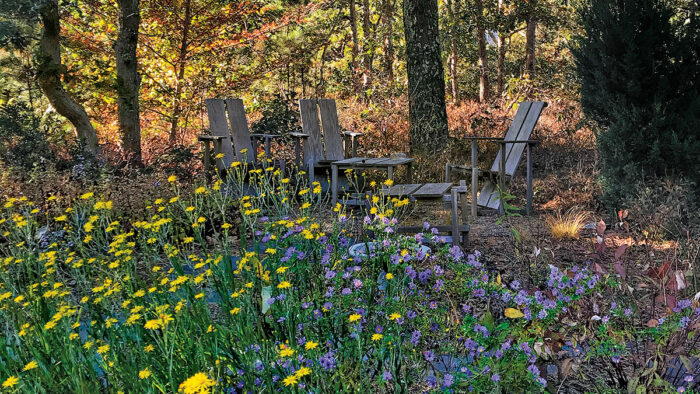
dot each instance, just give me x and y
(459, 233)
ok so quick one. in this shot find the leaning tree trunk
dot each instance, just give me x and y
(49, 69)
(180, 74)
(530, 37)
(483, 56)
(128, 79)
(426, 81)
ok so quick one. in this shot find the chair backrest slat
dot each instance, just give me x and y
(216, 112)
(331, 129)
(521, 129)
(239, 130)
(313, 146)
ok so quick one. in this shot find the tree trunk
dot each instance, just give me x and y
(426, 80)
(367, 49)
(128, 79)
(388, 42)
(180, 73)
(49, 70)
(355, 46)
(530, 37)
(452, 59)
(483, 56)
(501, 51)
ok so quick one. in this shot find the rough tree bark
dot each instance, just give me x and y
(530, 38)
(452, 59)
(180, 73)
(388, 41)
(355, 46)
(367, 48)
(501, 50)
(128, 79)
(49, 70)
(483, 55)
(426, 81)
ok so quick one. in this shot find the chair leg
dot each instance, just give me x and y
(475, 177)
(455, 218)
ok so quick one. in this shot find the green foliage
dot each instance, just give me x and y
(280, 116)
(22, 144)
(638, 69)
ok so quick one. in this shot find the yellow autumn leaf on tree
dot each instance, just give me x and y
(513, 313)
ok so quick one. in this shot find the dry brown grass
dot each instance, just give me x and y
(567, 225)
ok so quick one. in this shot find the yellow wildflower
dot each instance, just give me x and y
(144, 373)
(197, 383)
(311, 345)
(10, 382)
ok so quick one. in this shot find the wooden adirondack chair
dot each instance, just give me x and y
(235, 143)
(323, 139)
(516, 140)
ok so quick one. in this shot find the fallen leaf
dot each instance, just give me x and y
(652, 323)
(620, 269)
(513, 313)
(622, 214)
(620, 251)
(677, 281)
(660, 272)
(598, 269)
(600, 227)
(667, 299)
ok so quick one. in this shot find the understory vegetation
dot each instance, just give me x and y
(267, 282)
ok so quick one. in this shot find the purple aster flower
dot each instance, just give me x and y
(429, 355)
(328, 306)
(330, 274)
(447, 380)
(685, 320)
(415, 337)
(346, 291)
(495, 378)
(327, 361)
(386, 376)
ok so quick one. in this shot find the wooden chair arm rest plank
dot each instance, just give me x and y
(204, 137)
(299, 135)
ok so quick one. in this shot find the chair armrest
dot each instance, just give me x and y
(460, 167)
(483, 138)
(205, 137)
(501, 140)
(353, 133)
(299, 135)
(257, 135)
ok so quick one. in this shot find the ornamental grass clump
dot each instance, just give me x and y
(248, 285)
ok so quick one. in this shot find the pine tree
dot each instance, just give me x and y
(633, 65)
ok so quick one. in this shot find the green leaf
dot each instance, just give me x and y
(266, 295)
